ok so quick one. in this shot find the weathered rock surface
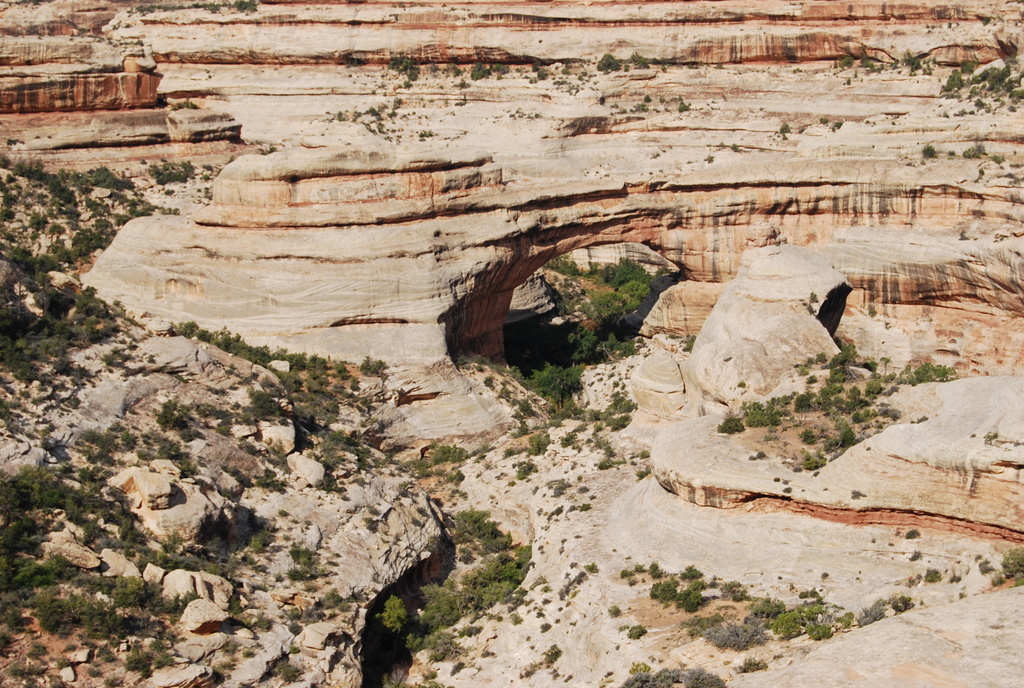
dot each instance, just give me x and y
(149, 489)
(206, 586)
(63, 544)
(316, 636)
(147, 266)
(117, 565)
(202, 617)
(309, 470)
(132, 128)
(499, 33)
(966, 643)
(781, 308)
(188, 676)
(657, 385)
(44, 73)
(166, 507)
(957, 468)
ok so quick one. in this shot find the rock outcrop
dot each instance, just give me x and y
(953, 464)
(202, 617)
(44, 73)
(782, 307)
(168, 507)
(961, 644)
(672, 32)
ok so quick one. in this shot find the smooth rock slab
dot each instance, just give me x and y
(972, 643)
(63, 544)
(191, 676)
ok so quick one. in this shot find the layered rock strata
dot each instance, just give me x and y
(41, 74)
(954, 464)
(460, 250)
(682, 32)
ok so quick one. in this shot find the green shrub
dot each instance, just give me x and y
(1013, 563)
(636, 632)
(752, 664)
(813, 462)
(689, 599)
(700, 678)
(538, 444)
(766, 608)
(731, 425)
(929, 151)
(475, 530)
(172, 172)
(373, 367)
(608, 63)
(900, 603)
(661, 679)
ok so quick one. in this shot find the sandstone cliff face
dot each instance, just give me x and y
(458, 272)
(40, 74)
(707, 33)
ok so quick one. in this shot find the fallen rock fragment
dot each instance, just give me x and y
(310, 470)
(202, 617)
(190, 676)
(116, 565)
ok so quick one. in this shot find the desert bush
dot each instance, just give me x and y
(661, 679)
(700, 678)
(869, 615)
(737, 636)
(608, 63)
(731, 425)
(1013, 563)
(752, 664)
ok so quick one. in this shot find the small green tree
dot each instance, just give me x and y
(394, 617)
(731, 425)
(608, 63)
(1013, 563)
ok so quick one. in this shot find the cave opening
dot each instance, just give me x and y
(583, 308)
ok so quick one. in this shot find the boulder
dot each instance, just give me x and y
(206, 586)
(657, 385)
(200, 504)
(16, 454)
(202, 617)
(316, 636)
(309, 470)
(63, 544)
(147, 489)
(116, 565)
(79, 656)
(153, 574)
(279, 437)
(67, 675)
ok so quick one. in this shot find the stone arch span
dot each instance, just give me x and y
(414, 256)
(475, 323)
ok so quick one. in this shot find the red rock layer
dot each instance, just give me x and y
(78, 92)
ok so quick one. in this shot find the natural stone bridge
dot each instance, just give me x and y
(415, 257)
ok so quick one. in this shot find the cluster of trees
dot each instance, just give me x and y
(551, 358)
